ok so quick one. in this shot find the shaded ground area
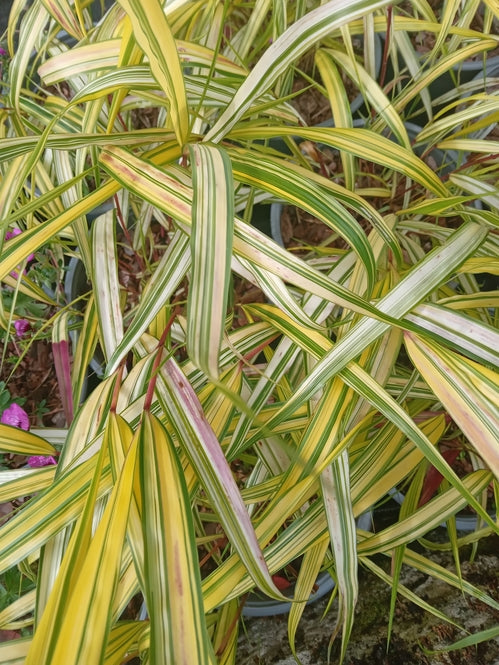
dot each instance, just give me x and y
(415, 632)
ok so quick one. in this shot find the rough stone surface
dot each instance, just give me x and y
(416, 633)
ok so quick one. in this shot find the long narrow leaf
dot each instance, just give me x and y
(469, 392)
(297, 39)
(173, 584)
(154, 36)
(211, 254)
(106, 286)
(206, 456)
(85, 628)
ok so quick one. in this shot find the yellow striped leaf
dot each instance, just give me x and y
(154, 36)
(19, 442)
(173, 586)
(296, 40)
(85, 626)
(469, 392)
(206, 456)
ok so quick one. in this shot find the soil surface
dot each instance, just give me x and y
(418, 638)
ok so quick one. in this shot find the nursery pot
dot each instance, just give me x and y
(446, 160)
(76, 284)
(257, 607)
(465, 523)
(459, 75)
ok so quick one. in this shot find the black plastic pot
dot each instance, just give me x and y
(256, 607)
(464, 523)
(447, 160)
(458, 76)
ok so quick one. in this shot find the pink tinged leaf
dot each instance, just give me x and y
(22, 326)
(63, 372)
(37, 461)
(16, 416)
(207, 458)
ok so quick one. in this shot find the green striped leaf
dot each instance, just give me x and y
(308, 194)
(81, 60)
(84, 350)
(437, 571)
(374, 93)
(470, 145)
(16, 146)
(366, 386)
(340, 106)
(166, 193)
(401, 589)
(30, 27)
(364, 143)
(434, 268)
(106, 287)
(295, 41)
(153, 34)
(23, 482)
(335, 484)
(19, 442)
(14, 652)
(124, 640)
(211, 254)
(488, 193)
(47, 513)
(457, 330)
(85, 626)
(60, 564)
(21, 246)
(312, 563)
(61, 11)
(426, 518)
(157, 294)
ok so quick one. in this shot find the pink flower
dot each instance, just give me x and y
(37, 461)
(21, 326)
(16, 416)
(12, 234)
(3, 52)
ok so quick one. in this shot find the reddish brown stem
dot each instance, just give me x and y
(117, 386)
(157, 362)
(382, 74)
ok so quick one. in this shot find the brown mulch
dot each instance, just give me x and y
(33, 380)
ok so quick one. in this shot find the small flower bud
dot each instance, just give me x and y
(21, 326)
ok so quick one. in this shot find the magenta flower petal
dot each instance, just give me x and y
(21, 326)
(37, 461)
(3, 52)
(12, 234)
(16, 416)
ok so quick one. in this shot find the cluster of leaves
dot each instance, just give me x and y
(335, 389)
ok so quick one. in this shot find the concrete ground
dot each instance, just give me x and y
(418, 637)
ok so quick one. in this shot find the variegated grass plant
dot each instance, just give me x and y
(334, 390)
